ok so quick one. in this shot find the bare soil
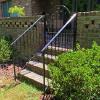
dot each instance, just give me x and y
(7, 74)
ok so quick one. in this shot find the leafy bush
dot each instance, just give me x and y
(76, 74)
(5, 50)
(17, 10)
(6, 37)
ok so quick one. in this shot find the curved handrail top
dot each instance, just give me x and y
(64, 7)
(70, 19)
(42, 16)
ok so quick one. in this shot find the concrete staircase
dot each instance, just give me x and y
(34, 69)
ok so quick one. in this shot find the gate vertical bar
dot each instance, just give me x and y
(93, 4)
(74, 5)
(89, 5)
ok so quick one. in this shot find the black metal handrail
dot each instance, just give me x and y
(27, 43)
(69, 21)
(42, 16)
(57, 19)
(66, 8)
(55, 43)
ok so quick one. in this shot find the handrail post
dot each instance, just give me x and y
(74, 22)
(14, 69)
(43, 53)
(44, 29)
(74, 33)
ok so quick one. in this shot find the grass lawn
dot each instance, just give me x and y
(20, 92)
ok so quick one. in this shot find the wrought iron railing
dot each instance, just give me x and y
(60, 41)
(30, 39)
(51, 32)
(57, 19)
(28, 43)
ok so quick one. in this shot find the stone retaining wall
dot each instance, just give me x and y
(88, 28)
(14, 26)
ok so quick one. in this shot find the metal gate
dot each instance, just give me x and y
(54, 22)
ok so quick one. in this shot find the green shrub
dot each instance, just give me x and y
(76, 74)
(5, 50)
(17, 10)
(6, 37)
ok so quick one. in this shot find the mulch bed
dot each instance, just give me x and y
(8, 70)
(7, 74)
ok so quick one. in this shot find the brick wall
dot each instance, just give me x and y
(33, 7)
(88, 28)
(15, 25)
(39, 6)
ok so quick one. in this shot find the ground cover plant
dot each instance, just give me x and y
(20, 92)
(5, 50)
(9, 88)
(76, 74)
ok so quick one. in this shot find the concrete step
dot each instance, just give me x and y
(37, 67)
(48, 58)
(33, 78)
(53, 50)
